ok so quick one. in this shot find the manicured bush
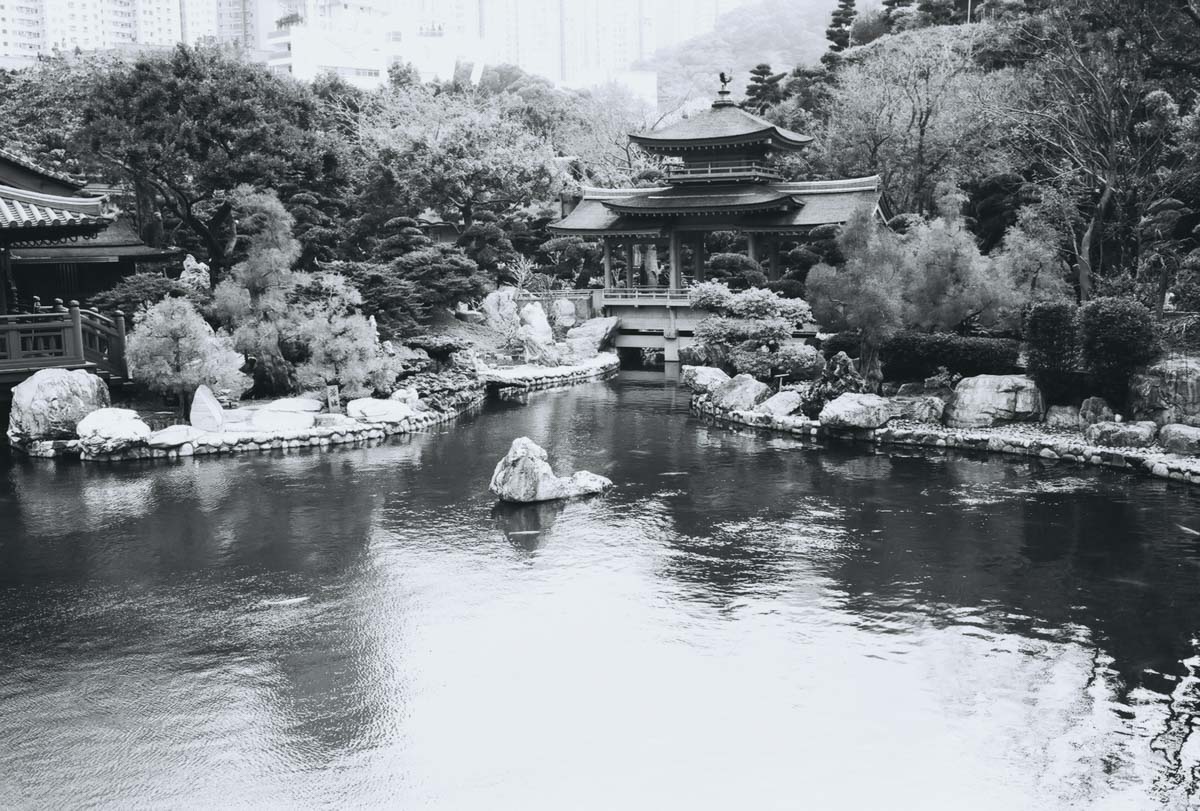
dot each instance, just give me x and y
(788, 288)
(711, 296)
(917, 355)
(847, 342)
(730, 331)
(1052, 349)
(142, 290)
(799, 361)
(1115, 337)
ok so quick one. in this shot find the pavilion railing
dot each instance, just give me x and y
(63, 336)
(731, 169)
(644, 294)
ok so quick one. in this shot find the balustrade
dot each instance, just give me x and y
(61, 336)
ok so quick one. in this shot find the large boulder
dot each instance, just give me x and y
(408, 396)
(1167, 392)
(702, 379)
(264, 420)
(500, 311)
(987, 400)
(838, 377)
(111, 430)
(856, 410)
(524, 476)
(536, 337)
(1094, 410)
(206, 413)
(173, 436)
(563, 311)
(741, 393)
(1122, 434)
(1063, 418)
(586, 340)
(1183, 439)
(922, 408)
(368, 409)
(781, 404)
(308, 405)
(50, 404)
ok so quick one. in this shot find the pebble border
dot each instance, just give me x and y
(1051, 448)
(229, 442)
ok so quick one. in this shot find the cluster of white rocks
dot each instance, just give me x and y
(530, 377)
(998, 413)
(81, 423)
(524, 476)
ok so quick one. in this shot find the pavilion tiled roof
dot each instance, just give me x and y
(694, 200)
(24, 161)
(724, 124)
(118, 241)
(29, 211)
(812, 203)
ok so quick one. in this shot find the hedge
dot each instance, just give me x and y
(847, 342)
(1053, 351)
(1115, 337)
(917, 355)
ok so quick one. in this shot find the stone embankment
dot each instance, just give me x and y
(1018, 429)
(530, 378)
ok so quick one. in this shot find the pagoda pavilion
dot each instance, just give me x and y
(719, 177)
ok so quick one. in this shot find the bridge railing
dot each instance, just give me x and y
(644, 295)
(59, 335)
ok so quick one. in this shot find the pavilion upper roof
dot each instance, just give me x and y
(30, 215)
(723, 125)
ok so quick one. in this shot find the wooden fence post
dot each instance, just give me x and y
(119, 363)
(76, 331)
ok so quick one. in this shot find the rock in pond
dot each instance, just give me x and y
(1122, 434)
(368, 409)
(49, 404)
(702, 379)
(586, 340)
(1177, 438)
(986, 400)
(206, 413)
(111, 430)
(740, 393)
(524, 476)
(853, 410)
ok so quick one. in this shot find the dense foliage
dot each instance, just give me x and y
(1116, 336)
(1052, 348)
(916, 355)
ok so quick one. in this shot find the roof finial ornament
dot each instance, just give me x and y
(723, 93)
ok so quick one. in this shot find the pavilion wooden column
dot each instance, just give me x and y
(629, 263)
(676, 270)
(773, 258)
(698, 257)
(752, 246)
(4, 274)
(608, 270)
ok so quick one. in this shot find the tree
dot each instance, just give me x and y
(764, 90)
(838, 32)
(173, 350)
(191, 125)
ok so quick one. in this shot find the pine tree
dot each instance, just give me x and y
(764, 90)
(940, 12)
(892, 7)
(838, 32)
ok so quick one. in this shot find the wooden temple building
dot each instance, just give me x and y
(719, 177)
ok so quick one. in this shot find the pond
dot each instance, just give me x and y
(746, 621)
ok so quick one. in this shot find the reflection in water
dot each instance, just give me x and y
(746, 620)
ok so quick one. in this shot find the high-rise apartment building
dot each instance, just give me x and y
(198, 21)
(32, 27)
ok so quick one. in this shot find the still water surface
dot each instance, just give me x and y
(742, 623)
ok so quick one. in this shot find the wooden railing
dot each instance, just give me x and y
(644, 295)
(58, 335)
(721, 170)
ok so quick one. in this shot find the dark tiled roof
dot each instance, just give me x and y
(694, 200)
(722, 124)
(30, 210)
(119, 240)
(28, 163)
(818, 203)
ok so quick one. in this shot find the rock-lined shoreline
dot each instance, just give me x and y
(530, 377)
(1021, 439)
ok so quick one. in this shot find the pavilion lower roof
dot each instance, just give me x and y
(795, 207)
(30, 217)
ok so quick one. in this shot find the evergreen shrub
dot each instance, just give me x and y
(917, 355)
(1116, 336)
(847, 342)
(1052, 348)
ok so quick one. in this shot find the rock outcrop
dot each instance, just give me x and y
(270, 421)
(536, 337)
(919, 408)
(370, 410)
(781, 404)
(173, 436)
(1122, 434)
(586, 340)
(702, 379)
(740, 393)
(1094, 410)
(111, 430)
(500, 312)
(856, 410)
(306, 405)
(206, 413)
(563, 311)
(524, 476)
(49, 404)
(839, 377)
(1177, 438)
(1167, 392)
(1063, 417)
(987, 400)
